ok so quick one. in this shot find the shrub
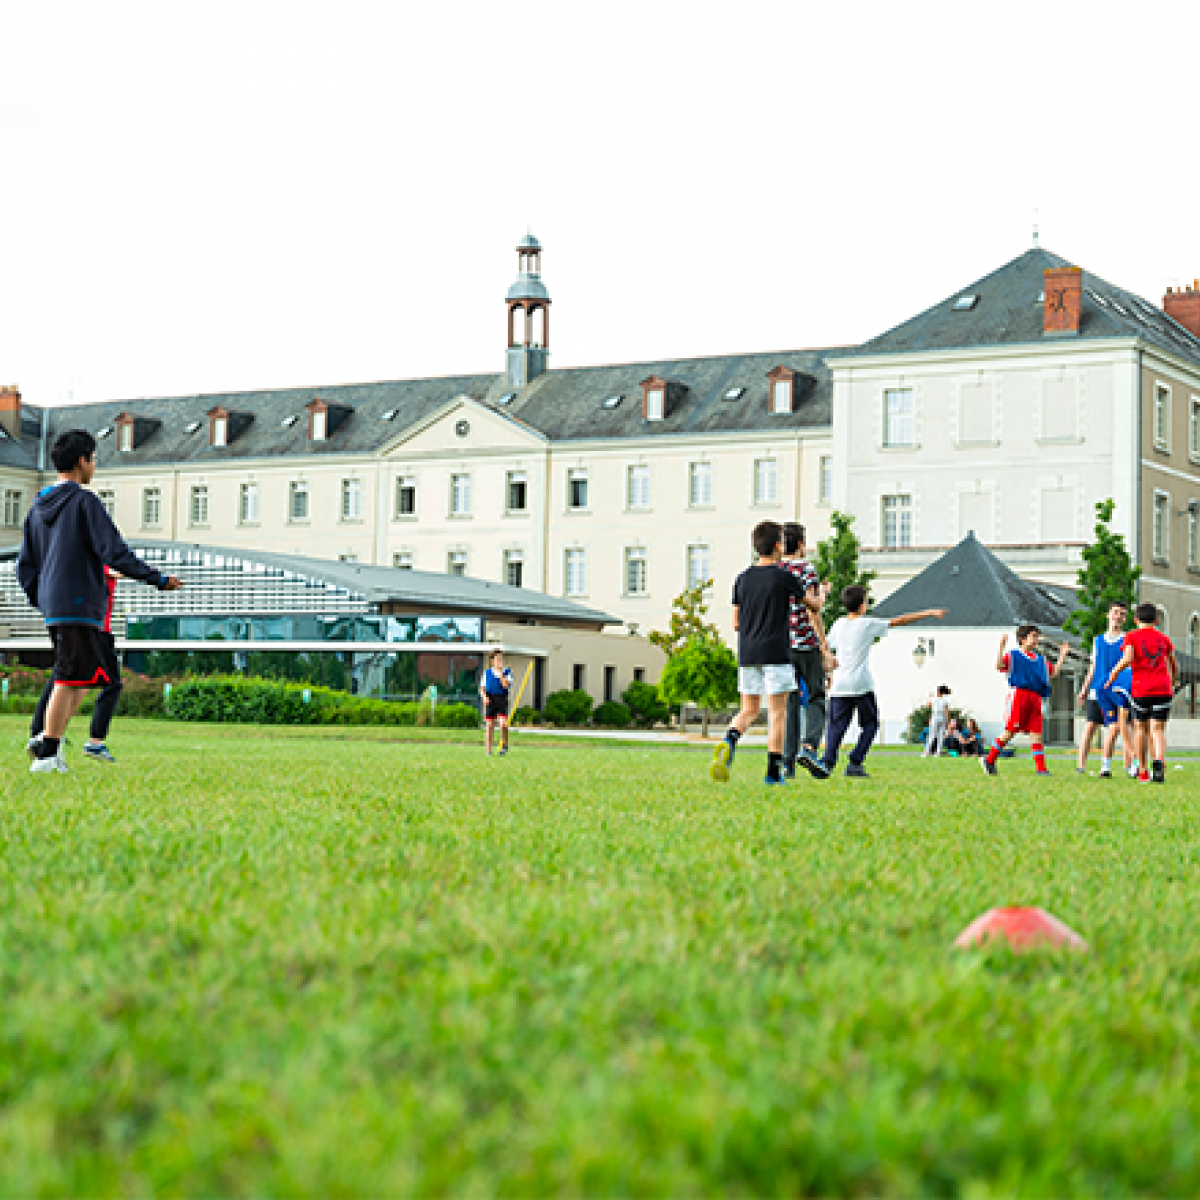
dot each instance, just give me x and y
(612, 715)
(644, 702)
(457, 716)
(573, 707)
(526, 716)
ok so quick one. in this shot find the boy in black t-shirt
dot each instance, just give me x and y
(762, 596)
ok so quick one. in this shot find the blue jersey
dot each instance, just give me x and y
(1029, 672)
(492, 682)
(1105, 655)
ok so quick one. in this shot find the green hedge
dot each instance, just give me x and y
(231, 698)
(612, 715)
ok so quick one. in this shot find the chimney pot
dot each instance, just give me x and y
(10, 410)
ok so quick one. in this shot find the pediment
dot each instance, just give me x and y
(464, 426)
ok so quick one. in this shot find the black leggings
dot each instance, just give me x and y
(105, 707)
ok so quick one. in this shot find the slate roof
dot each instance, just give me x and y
(426, 590)
(22, 452)
(561, 405)
(980, 592)
(1008, 312)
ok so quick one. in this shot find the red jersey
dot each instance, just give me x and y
(1151, 668)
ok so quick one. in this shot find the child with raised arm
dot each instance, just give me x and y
(1155, 673)
(1029, 676)
(493, 690)
(852, 690)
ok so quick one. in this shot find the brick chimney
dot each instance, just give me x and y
(1183, 304)
(1064, 301)
(10, 410)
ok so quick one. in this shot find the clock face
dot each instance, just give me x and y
(462, 428)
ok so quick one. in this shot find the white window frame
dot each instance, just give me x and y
(402, 560)
(108, 501)
(825, 479)
(894, 424)
(575, 572)
(125, 437)
(514, 558)
(198, 508)
(456, 558)
(352, 499)
(296, 489)
(694, 578)
(1193, 517)
(511, 480)
(579, 475)
(637, 499)
(1160, 532)
(12, 507)
(220, 432)
(151, 499)
(460, 494)
(320, 426)
(1193, 634)
(1194, 430)
(655, 403)
(406, 483)
(637, 557)
(698, 472)
(766, 470)
(248, 504)
(901, 504)
(781, 397)
(1162, 417)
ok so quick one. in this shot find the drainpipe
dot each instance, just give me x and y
(42, 445)
(1137, 476)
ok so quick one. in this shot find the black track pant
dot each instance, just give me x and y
(106, 703)
(841, 711)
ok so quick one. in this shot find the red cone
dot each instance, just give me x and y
(1022, 928)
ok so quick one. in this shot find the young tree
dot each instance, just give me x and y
(702, 672)
(688, 611)
(837, 564)
(1107, 574)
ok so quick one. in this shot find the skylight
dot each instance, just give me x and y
(1118, 308)
(1099, 299)
(1041, 298)
(105, 431)
(390, 415)
(507, 398)
(734, 393)
(3, 434)
(288, 422)
(965, 303)
(614, 401)
(191, 427)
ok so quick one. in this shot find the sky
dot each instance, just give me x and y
(208, 197)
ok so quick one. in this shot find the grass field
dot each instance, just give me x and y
(303, 962)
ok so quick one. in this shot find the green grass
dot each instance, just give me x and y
(241, 962)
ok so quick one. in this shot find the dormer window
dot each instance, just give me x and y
(325, 418)
(220, 431)
(783, 385)
(320, 426)
(132, 431)
(125, 436)
(659, 397)
(225, 427)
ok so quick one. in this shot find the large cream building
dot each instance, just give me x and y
(1007, 409)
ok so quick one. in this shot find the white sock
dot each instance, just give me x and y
(1105, 764)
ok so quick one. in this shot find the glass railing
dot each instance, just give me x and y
(306, 628)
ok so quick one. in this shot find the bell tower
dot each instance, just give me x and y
(528, 317)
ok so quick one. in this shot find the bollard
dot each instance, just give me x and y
(306, 696)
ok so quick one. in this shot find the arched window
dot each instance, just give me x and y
(1193, 635)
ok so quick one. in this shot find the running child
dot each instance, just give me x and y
(494, 690)
(67, 541)
(852, 690)
(762, 596)
(1029, 676)
(1151, 655)
(1107, 708)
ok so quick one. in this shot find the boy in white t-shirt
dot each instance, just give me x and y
(939, 720)
(852, 690)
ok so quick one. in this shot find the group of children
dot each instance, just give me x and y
(1131, 681)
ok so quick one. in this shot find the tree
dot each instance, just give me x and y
(688, 610)
(702, 672)
(837, 564)
(1107, 575)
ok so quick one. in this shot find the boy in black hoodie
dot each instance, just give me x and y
(67, 542)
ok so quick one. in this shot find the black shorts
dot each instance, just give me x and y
(81, 656)
(1150, 708)
(496, 706)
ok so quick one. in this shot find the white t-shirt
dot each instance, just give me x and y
(937, 714)
(851, 639)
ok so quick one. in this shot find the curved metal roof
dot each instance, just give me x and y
(528, 287)
(529, 242)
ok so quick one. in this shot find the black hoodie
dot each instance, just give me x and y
(68, 541)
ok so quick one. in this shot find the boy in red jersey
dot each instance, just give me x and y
(1029, 676)
(1151, 654)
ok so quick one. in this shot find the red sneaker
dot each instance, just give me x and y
(1143, 777)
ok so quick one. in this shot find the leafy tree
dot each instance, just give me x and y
(702, 672)
(688, 611)
(837, 564)
(1107, 574)
(642, 699)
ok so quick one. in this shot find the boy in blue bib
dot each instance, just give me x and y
(493, 690)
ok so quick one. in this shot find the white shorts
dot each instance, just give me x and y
(772, 680)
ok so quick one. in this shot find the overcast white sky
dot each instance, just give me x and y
(215, 196)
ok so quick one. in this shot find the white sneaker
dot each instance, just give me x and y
(1133, 771)
(48, 766)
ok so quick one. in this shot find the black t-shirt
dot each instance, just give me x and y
(763, 595)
